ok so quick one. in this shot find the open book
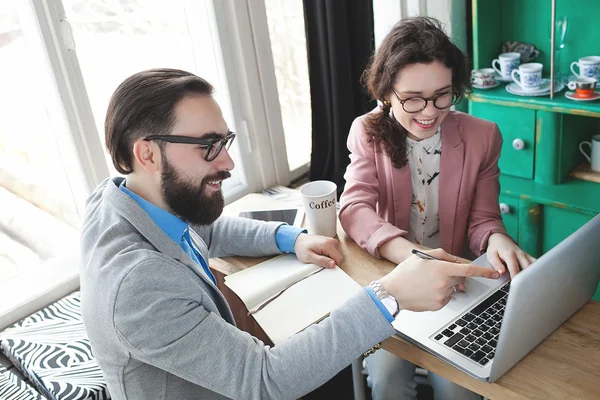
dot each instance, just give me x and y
(296, 294)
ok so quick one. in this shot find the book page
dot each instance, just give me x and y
(306, 303)
(257, 284)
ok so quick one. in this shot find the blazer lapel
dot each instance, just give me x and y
(222, 301)
(451, 168)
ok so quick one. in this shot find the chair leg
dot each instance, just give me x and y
(358, 380)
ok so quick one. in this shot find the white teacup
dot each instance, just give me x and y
(320, 200)
(594, 156)
(589, 67)
(529, 76)
(584, 87)
(483, 77)
(507, 62)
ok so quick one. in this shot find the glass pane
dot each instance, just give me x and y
(288, 44)
(30, 160)
(385, 15)
(118, 38)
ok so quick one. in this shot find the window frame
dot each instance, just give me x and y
(254, 65)
(70, 112)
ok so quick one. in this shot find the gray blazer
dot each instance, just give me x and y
(160, 329)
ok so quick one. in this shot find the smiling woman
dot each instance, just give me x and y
(408, 159)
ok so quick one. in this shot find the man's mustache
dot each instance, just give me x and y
(218, 176)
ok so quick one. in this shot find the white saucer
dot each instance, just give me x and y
(486, 87)
(570, 96)
(543, 90)
(500, 78)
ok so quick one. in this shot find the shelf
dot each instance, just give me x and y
(585, 172)
(574, 194)
(559, 104)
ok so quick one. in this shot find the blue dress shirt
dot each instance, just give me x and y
(179, 231)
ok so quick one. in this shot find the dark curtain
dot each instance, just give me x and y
(340, 40)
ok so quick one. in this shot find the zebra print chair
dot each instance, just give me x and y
(13, 387)
(51, 348)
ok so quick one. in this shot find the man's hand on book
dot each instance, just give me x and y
(428, 285)
(320, 250)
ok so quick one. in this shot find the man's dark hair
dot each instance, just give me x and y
(143, 105)
(411, 41)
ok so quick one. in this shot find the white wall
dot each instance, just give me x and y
(451, 13)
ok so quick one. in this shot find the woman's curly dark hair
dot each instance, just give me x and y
(412, 40)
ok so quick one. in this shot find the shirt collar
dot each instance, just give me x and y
(172, 225)
(425, 142)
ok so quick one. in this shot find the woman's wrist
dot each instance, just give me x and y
(397, 250)
(497, 236)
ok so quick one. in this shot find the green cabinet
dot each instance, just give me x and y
(540, 216)
(509, 208)
(521, 219)
(540, 203)
(518, 132)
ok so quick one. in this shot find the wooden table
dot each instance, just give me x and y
(564, 366)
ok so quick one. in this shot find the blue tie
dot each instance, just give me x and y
(188, 246)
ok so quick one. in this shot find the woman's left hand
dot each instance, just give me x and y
(503, 253)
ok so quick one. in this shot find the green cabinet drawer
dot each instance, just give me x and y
(509, 208)
(517, 126)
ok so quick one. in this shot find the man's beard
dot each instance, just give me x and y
(189, 201)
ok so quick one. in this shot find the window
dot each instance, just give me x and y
(115, 39)
(31, 163)
(61, 60)
(40, 207)
(288, 44)
(279, 113)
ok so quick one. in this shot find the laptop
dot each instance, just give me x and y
(481, 331)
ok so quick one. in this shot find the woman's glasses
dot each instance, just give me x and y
(213, 146)
(414, 105)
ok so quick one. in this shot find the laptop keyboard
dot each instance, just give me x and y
(475, 334)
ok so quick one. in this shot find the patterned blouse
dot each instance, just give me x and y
(424, 162)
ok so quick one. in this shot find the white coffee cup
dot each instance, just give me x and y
(320, 207)
(530, 76)
(594, 157)
(507, 62)
(589, 67)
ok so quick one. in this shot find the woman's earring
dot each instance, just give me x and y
(386, 105)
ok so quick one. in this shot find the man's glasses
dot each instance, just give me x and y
(417, 104)
(213, 146)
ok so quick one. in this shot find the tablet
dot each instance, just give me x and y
(291, 216)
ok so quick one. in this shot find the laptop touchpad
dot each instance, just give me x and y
(473, 289)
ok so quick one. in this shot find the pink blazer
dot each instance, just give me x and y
(375, 205)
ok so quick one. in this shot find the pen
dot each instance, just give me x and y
(424, 255)
(429, 257)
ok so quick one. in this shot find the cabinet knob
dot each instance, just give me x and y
(518, 144)
(504, 208)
